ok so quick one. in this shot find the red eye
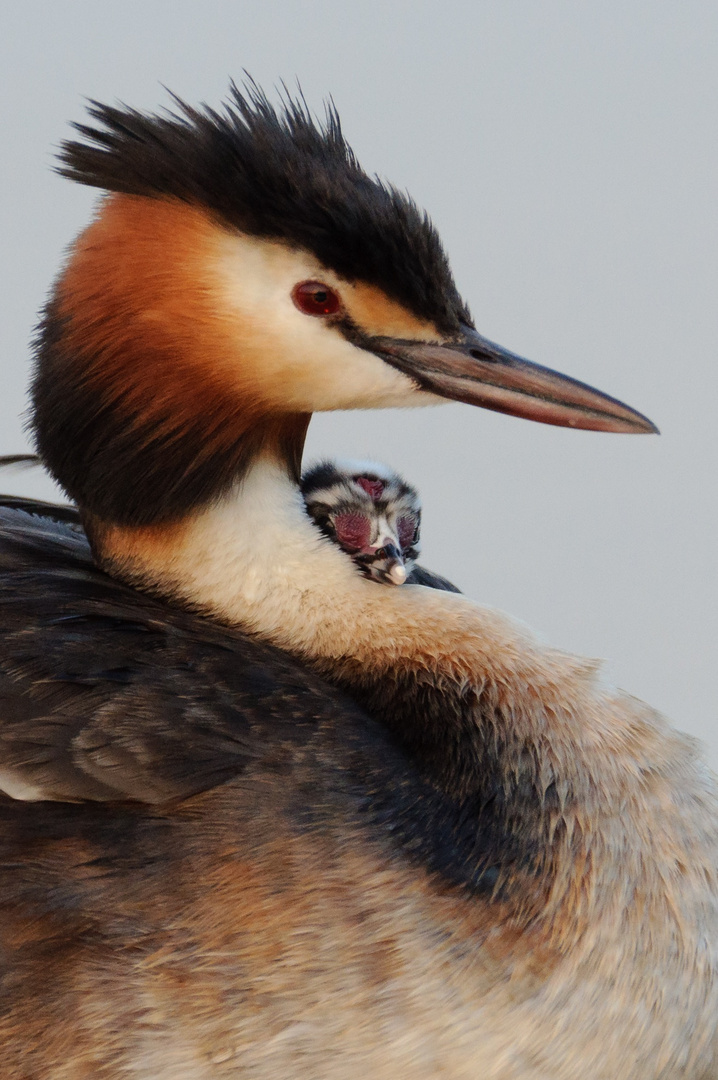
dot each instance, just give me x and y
(353, 531)
(407, 528)
(315, 298)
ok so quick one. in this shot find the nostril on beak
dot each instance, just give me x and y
(476, 354)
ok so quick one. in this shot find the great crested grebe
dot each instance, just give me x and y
(262, 817)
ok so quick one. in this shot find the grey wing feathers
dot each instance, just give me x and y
(39, 508)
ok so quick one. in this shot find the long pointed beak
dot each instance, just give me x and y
(478, 372)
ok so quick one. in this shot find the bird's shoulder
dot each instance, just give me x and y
(109, 697)
(108, 694)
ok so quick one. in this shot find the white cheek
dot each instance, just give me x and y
(302, 362)
(322, 370)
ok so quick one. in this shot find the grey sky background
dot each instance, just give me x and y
(567, 152)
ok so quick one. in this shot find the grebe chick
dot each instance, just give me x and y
(370, 512)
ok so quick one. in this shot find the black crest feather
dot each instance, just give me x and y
(274, 173)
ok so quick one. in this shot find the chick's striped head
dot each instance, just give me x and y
(370, 512)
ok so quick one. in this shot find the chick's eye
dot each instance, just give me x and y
(315, 298)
